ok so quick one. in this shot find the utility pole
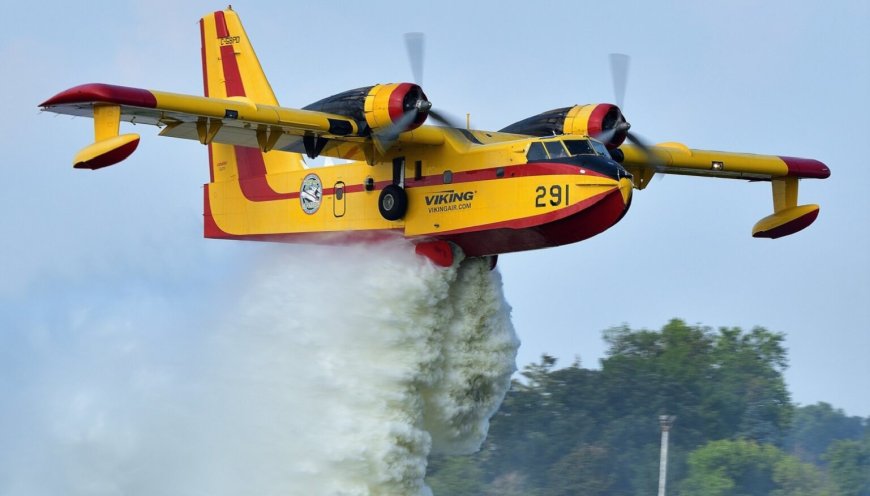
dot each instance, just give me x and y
(665, 422)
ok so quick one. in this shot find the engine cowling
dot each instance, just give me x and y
(378, 106)
(595, 119)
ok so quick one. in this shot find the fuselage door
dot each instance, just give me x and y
(339, 200)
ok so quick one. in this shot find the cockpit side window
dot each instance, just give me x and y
(536, 152)
(579, 147)
(556, 149)
(601, 149)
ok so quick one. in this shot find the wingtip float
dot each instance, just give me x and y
(554, 178)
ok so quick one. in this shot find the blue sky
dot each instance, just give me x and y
(124, 244)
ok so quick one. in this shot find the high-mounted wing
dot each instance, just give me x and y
(782, 172)
(234, 121)
(677, 158)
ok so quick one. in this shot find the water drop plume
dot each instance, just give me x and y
(327, 371)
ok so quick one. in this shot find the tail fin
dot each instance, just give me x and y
(230, 69)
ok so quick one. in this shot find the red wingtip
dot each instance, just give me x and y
(806, 167)
(108, 93)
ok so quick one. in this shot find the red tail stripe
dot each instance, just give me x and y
(252, 176)
(249, 161)
(204, 64)
(220, 23)
(232, 76)
(211, 164)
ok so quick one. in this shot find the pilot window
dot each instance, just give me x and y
(601, 149)
(556, 149)
(579, 147)
(536, 152)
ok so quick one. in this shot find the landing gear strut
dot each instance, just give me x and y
(393, 202)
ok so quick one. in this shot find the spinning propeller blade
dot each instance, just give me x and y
(386, 137)
(414, 43)
(619, 64)
(619, 72)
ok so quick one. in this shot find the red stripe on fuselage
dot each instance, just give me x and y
(255, 186)
(520, 170)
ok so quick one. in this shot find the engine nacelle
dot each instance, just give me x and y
(378, 106)
(592, 119)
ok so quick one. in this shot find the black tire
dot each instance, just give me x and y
(393, 202)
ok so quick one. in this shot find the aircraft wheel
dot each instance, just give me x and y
(393, 202)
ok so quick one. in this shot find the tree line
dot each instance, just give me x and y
(578, 431)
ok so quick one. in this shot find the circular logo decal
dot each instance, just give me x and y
(311, 193)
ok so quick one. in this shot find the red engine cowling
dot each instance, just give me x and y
(598, 120)
(378, 106)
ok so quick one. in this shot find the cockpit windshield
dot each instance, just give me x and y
(586, 147)
(579, 147)
(553, 148)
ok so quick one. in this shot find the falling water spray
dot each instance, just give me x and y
(329, 371)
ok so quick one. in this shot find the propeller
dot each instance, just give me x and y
(386, 137)
(619, 63)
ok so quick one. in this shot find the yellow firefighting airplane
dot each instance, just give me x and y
(555, 178)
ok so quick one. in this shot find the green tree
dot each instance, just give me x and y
(585, 470)
(575, 430)
(815, 427)
(750, 398)
(849, 466)
(744, 467)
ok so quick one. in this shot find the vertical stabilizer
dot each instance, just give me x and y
(230, 69)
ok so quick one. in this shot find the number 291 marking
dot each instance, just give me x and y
(555, 196)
